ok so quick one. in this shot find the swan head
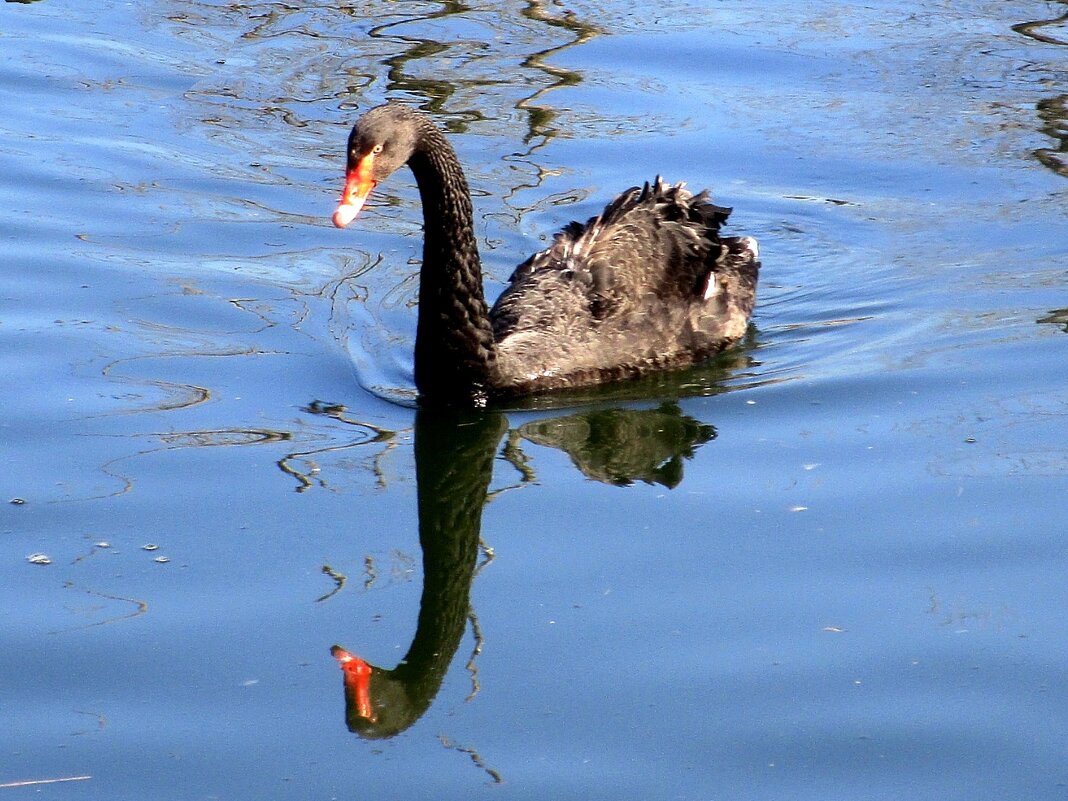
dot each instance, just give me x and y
(382, 140)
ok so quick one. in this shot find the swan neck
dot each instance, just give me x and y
(455, 358)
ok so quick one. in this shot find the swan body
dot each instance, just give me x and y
(646, 285)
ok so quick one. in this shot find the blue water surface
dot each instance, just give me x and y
(829, 565)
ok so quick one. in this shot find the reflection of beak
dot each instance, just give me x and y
(358, 185)
(357, 672)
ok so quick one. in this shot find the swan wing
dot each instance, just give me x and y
(653, 246)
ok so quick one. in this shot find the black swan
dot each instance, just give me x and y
(646, 285)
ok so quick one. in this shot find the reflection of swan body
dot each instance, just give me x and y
(646, 285)
(453, 464)
(619, 446)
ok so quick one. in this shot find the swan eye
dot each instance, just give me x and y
(376, 149)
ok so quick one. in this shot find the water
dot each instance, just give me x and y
(828, 565)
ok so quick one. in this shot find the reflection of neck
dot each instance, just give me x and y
(453, 465)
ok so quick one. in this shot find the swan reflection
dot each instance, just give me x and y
(621, 446)
(454, 456)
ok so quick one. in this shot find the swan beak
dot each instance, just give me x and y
(358, 185)
(357, 680)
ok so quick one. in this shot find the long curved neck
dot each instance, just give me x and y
(455, 358)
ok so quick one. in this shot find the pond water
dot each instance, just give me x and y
(829, 565)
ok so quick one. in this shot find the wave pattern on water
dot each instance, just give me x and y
(825, 565)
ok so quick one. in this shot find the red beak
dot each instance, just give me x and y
(358, 185)
(357, 680)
